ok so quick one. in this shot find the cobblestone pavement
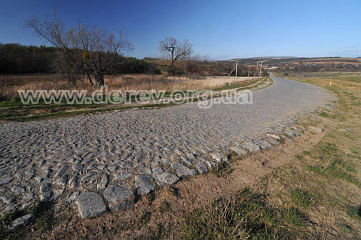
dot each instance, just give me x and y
(98, 161)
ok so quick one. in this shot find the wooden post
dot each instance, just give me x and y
(236, 69)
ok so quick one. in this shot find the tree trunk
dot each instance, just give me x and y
(90, 79)
(172, 68)
(99, 79)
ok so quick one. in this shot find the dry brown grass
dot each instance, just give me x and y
(9, 84)
(159, 82)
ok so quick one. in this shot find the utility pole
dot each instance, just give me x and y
(249, 68)
(260, 70)
(236, 69)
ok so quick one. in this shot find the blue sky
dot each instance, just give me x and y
(222, 29)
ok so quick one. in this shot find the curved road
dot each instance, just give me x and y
(88, 153)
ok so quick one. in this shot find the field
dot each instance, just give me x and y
(10, 84)
(11, 107)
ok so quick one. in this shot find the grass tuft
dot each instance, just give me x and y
(294, 216)
(354, 212)
(222, 169)
(244, 215)
(301, 198)
(324, 114)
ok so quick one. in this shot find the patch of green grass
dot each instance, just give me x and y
(346, 228)
(315, 169)
(354, 156)
(301, 198)
(294, 216)
(244, 215)
(6, 219)
(335, 172)
(349, 168)
(324, 114)
(356, 79)
(24, 116)
(354, 212)
(237, 85)
(44, 215)
(228, 87)
(328, 147)
(222, 169)
(306, 153)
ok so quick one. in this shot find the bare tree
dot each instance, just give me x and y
(90, 50)
(175, 50)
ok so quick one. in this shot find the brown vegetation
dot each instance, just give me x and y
(9, 84)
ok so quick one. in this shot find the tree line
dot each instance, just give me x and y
(19, 59)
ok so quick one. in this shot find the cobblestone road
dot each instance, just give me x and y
(110, 154)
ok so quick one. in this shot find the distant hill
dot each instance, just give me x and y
(269, 57)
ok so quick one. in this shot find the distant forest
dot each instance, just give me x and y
(19, 59)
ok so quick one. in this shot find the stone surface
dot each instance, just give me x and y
(73, 196)
(273, 136)
(7, 199)
(90, 204)
(202, 168)
(263, 144)
(240, 151)
(42, 178)
(183, 171)
(28, 196)
(290, 134)
(122, 176)
(61, 181)
(209, 163)
(5, 179)
(22, 221)
(77, 168)
(18, 190)
(61, 171)
(217, 157)
(272, 141)
(119, 197)
(250, 146)
(143, 184)
(166, 178)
